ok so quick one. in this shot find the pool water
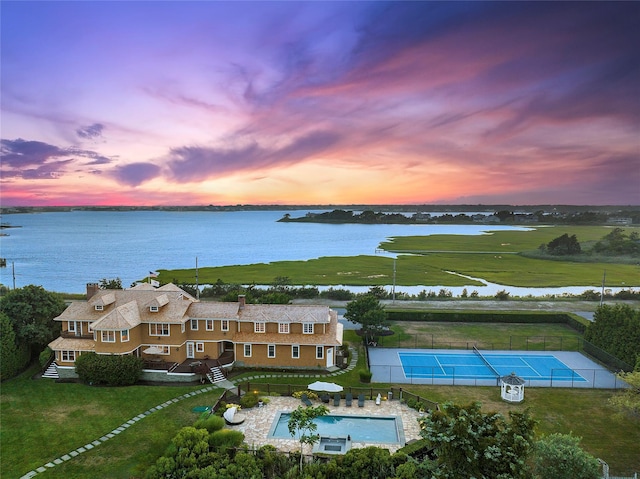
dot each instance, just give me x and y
(368, 429)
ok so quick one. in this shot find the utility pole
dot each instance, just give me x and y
(393, 291)
(197, 287)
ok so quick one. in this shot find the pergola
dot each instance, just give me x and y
(512, 388)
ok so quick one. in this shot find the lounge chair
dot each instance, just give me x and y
(325, 398)
(336, 399)
(305, 400)
(360, 400)
(347, 399)
(378, 399)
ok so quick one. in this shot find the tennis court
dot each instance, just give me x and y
(537, 368)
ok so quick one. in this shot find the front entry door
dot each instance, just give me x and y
(190, 350)
(329, 357)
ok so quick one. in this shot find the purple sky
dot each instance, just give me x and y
(145, 103)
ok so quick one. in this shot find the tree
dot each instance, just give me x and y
(628, 400)
(559, 456)
(564, 245)
(110, 283)
(616, 329)
(31, 310)
(470, 443)
(369, 313)
(13, 356)
(301, 423)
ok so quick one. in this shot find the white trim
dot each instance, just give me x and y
(154, 309)
(161, 327)
(71, 356)
(320, 349)
(200, 347)
(283, 328)
(307, 328)
(259, 327)
(208, 324)
(269, 355)
(295, 348)
(122, 336)
(99, 307)
(224, 325)
(71, 326)
(244, 350)
(194, 322)
(109, 335)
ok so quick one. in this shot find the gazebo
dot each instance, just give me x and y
(512, 388)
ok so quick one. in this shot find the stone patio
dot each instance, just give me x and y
(258, 421)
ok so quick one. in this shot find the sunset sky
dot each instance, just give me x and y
(169, 103)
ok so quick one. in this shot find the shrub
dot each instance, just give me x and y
(211, 423)
(365, 376)
(110, 370)
(310, 394)
(45, 356)
(249, 400)
(225, 439)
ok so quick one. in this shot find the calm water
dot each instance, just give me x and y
(64, 251)
(360, 428)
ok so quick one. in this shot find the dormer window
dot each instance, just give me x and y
(307, 328)
(99, 307)
(154, 309)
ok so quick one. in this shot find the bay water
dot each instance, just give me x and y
(64, 251)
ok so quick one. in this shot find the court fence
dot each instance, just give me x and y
(427, 375)
(512, 343)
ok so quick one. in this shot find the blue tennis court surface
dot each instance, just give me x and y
(463, 365)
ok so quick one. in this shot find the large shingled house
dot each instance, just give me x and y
(175, 333)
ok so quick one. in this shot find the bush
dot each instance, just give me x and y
(45, 356)
(110, 370)
(249, 400)
(365, 376)
(211, 423)
(225, 439)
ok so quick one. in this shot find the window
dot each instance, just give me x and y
(72, 327)
(247, 350)
(199, 347)
(124, 335)
(224, 325)
(99, 307)
(158, 329)
(271, 350)
(67, 356)
(307, 328)
(108, 336)
(283, 328)
(194, 325)
(259, 327)
(163, 349)
(153, 309)
(208, 324)
(319, 352)
(295, 351)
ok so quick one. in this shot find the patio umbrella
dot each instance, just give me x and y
(322, 386)
(152, 350)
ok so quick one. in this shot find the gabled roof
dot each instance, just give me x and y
(213, 310)
(285, 313)
(126, 316)
(173, 300)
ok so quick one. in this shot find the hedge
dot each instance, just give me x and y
(576, 322)
(112, 370)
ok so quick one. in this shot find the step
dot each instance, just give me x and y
(51, 372)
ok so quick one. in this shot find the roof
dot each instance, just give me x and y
(126, 316)
(209, 310)
(329, 338)
(285, 313)
(513, 380)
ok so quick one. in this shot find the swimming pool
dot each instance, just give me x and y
(368, 429)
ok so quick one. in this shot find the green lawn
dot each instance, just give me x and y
(492, 257)
(42, 420)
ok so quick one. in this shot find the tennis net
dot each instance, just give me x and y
(475, 350)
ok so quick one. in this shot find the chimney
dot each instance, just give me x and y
(242, 300)
(92, 288)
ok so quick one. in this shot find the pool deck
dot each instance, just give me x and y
(258, 421)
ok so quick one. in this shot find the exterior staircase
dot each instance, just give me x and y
(215, 375)
(51, 372)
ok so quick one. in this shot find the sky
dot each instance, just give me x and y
(224, 103)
